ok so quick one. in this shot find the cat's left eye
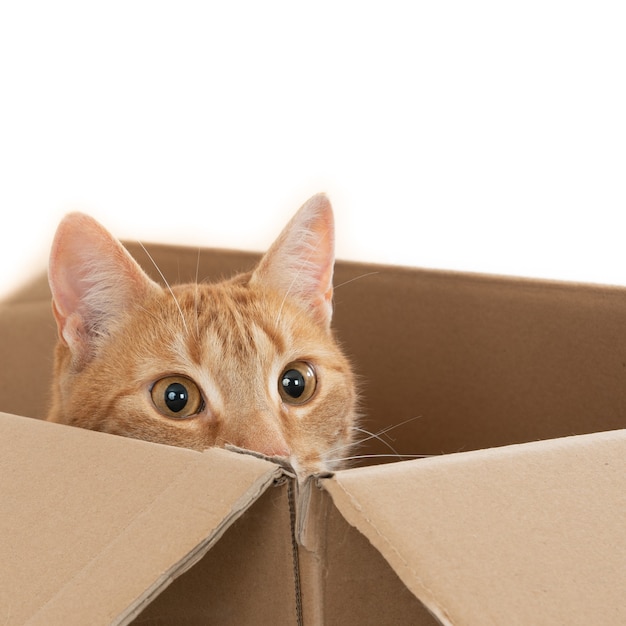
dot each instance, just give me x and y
(177, 397)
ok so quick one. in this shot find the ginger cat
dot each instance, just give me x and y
(249, 362)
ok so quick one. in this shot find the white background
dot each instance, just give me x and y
(481, 136)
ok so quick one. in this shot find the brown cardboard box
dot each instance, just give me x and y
(518, 388)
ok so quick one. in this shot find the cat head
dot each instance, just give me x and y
(250, 362)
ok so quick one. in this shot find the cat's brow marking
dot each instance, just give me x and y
(158, 269)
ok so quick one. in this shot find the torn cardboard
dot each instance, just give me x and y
(517, 386)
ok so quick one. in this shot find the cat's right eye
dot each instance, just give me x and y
(297, 383)
(177, 397)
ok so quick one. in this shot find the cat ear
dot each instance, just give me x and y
(300, 262)
(93, 280)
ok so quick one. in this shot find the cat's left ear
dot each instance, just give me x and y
(300, 263)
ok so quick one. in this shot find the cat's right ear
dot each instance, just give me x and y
(93, 280)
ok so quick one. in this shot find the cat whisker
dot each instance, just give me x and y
(195, 299)
(195, 306)
(374, 436)
(197, 266)
(377, 435)
(384, 456)
(402, 423)
(346, 282)
(282, 304)
(158, 269)
(386, 430)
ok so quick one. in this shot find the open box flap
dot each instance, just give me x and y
(94, 526)
(524, 534)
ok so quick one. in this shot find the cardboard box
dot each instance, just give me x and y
(517, 387)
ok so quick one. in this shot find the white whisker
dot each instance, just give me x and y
(355, 278)
(182, 317)
(384, 431)
(384, 456)
(377, 435)
(374, 436)
(195, 299)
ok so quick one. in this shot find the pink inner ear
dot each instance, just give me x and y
(92, 277)
(80, 247)
(300, 263)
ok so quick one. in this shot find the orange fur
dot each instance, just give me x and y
(119, 333)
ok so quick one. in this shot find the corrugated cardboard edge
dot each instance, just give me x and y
(530, 533)
(239, 507)
(140, 547)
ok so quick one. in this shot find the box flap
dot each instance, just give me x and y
(344, 579)
(94, 526)
(524, 534)
(249, 576)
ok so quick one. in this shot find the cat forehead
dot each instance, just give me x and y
(237, 300)
(229, 317)
(227, 301)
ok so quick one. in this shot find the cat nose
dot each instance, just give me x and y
(266, 439)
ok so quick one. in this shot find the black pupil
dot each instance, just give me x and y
(293, 383)
(176, 397)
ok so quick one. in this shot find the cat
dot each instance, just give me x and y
(250, 362)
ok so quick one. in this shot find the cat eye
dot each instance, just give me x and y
(297, 383)
(177, 397)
